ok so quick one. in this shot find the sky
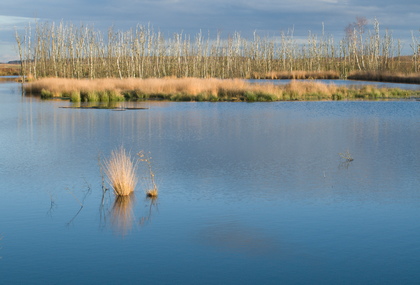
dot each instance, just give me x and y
(267, 17)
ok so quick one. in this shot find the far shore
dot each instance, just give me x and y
(7, 69)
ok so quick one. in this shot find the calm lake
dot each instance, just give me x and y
(249, 193)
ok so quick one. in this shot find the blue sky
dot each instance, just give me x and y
(268, 17)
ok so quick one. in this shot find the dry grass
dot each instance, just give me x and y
(300, 89)
(192, 86)
(198, 89)
(298, 74)
(121, 172)
(385, 76)
(9, 69)
(346, 155)
(152, 193)
(6, 79)
(152, 189)
(159, 88)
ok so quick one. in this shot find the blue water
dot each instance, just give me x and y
(248, 193)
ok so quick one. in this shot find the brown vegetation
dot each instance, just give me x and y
(155, 88)
(9, 69)
(121, 172)
(298, 74)
(152, 189)
(385, 76)
(198, 89)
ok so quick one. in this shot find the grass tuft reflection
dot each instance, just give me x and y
(122, 213)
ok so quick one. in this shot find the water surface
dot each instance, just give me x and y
(250, 193)
(341, 82)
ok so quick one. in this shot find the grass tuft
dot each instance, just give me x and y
(92, 96)
(121, 172)
(45, 94)
(75, 96)
(152, 193)
(346, 155)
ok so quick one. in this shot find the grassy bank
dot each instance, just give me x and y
(385, 77)
(9, 69)
(297, 74)
(198, 89)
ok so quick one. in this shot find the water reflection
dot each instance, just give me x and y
(103, 207)
(151, 204)
(237, 145)
(122, 214)
(113, 105)
(81, 202)
(1, 237)
(344, 165)
(52, 206)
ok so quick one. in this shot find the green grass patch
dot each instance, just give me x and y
(92, 96)
(115, 96)
(46, 94)
(103, 96)
(75, 97)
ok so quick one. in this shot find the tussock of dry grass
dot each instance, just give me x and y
(121, 172)
(152, 193)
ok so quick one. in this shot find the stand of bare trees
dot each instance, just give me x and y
(70, 51)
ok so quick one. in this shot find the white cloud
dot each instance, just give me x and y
(8, 25)
(10, 22)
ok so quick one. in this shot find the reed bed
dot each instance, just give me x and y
(175, 89)
(199, 89)
(385, 76)
(298, 74)
(79, 51)
(120, 170)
